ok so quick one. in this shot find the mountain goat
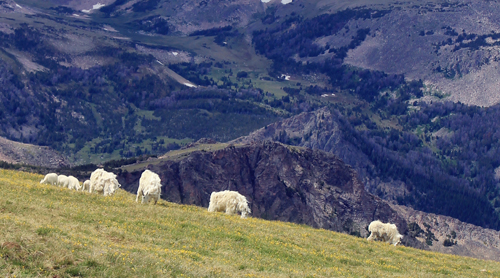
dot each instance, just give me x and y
(50, 178)
(230, 202)
(62, 180)
(385, 232)
(73, 183)
(149, 187)
(86, 185)
(102, 181)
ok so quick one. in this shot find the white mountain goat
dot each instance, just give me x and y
(62, 180)
(230, 202)
(73, 183)
(149, 187)
(50, 178)
(385, 232)
(86, 185)
(102, 181)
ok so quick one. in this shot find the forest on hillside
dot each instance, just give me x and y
(122, 103)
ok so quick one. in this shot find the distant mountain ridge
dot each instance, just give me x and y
(451, 46)
(68, 60)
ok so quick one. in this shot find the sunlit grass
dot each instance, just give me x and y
(47, 231)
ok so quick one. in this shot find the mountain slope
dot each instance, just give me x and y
(87, 90)
(451, 46)
(19, 153)
(69, 233)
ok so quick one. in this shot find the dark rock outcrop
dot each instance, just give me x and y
(281, 183)
(327, 130)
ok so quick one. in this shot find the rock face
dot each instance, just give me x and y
(325, 130)
(281, 183)
(470, 240)
(20, 153)
(320, 129)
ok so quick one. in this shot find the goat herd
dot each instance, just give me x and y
(101, 181)
(230, 202)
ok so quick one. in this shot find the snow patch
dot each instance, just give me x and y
(497, 173)
(19, 6)
(94, 7)
(265, 1)
(189, 85)
(175, 53)
(160, 63)
(99, 5)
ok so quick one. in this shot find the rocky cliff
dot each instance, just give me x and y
(281, 183)
(326, 130)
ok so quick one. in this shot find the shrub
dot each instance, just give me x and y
(242, 74)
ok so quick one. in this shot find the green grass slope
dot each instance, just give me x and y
(46, 231)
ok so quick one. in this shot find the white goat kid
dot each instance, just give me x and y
(149, 187)
(73, 183)
(86, 185)
(50, 178)
(62, 180)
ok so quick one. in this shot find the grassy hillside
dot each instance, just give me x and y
(47, 231)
